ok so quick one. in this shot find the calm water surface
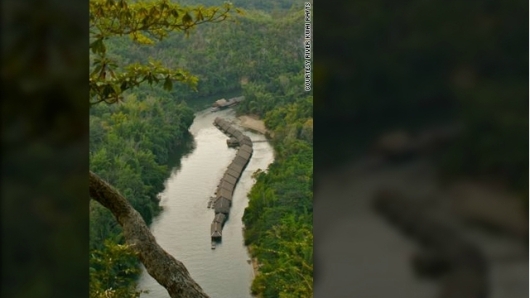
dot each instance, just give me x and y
(183, 227)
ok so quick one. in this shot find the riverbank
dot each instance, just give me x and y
(255, 266)
(254, 123)
(255, 270)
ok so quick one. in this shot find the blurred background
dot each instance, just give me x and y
(421, 151)
(44, 163)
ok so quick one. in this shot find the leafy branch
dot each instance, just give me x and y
(144, 23)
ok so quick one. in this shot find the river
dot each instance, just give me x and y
(183, 227)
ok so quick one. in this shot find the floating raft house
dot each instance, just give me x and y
(232, 142)
(216, 230)
(220, 218)
(223, 103)
(227, 185)
(222, 205)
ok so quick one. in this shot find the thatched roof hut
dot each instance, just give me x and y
(231, 177)
(231, 130)
(232, 142)
(246, 148)
(225, 126)
(224, 193)
(221, 205)
(216, 230)
(238, 134)
(236, 167)
(220, 103)
(244, 154)
(246, 141)
(220, 218)
(232, 174)
(240, 161)
(227, 185)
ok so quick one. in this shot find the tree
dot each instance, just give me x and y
(163, 267)
(145, 23)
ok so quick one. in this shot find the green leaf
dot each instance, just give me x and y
(200, 17)
(168, 84)
(186, 19)
(97, 46)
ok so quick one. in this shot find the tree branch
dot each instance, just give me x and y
(164, 268)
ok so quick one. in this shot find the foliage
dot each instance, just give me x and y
(271, 6)
(110, 271)
(254, 48)
(290, 266)
(278, 220)
(143, 23)
(130, 148)
(131, 142)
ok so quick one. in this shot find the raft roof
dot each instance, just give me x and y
(225, 126)
(237, 168)
(238, 134)
(224, 193)
(216, 230)
(222, 205)
(219, 218)
(220, 122)
(246, 148)
(244, 154)
(225, 184)
(246, 141)
(230, 178)
(221, 102)
(240, 161)
(231, 130)
(232, 142)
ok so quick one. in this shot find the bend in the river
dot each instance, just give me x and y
(183, 227)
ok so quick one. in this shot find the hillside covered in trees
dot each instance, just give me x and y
(131, 148)
(254, 47)
(279, 219)
(134, 143)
